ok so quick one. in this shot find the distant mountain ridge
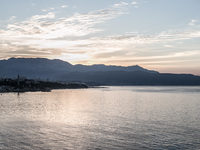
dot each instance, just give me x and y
(24, 65)
(105, 75)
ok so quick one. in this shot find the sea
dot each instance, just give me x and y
(103, 118)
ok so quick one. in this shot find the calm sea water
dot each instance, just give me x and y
(118, 118)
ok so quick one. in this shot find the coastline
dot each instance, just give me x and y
(21, 85)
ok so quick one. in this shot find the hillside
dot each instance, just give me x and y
(100, 74)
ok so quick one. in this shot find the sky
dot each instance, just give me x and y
(162, 35)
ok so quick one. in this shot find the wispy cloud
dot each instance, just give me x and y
(120, 4)
(134, 3)
(12, 19)
(33, 34)
(193, 22)
(48, 26)
(64, 6)
(168, 59)
(174, 35)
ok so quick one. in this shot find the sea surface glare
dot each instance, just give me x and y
(111, 118)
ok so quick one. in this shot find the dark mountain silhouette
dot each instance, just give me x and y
(104, 75)
(45, 68)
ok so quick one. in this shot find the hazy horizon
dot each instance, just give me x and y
(156, 35)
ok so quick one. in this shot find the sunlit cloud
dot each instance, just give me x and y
(40, 35)
(169, 59)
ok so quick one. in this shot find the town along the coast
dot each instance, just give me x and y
(22, 84)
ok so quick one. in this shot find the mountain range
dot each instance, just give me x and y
(59, 70)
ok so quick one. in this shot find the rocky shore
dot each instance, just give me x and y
(30, 85)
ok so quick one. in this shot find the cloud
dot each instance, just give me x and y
(49, 15)
(193, 22)
(168, 58)
(114, 54)
(49, 36)
(48, 26)
(137, 3)
(169, 46)
(119, 5)
(64, 6)
(49, 9)
(35, 35)
(173, 35)
(134, 3)
(12, 18)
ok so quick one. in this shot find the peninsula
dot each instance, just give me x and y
(22, 84)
